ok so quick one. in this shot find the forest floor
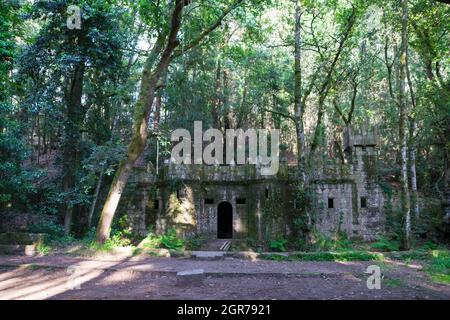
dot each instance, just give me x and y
(146, 277)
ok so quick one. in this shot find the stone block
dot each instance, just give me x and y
(190, 277)
(21, 238)
(18, 249)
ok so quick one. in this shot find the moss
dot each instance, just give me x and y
(272, 213)
(326, 256)
(388, 206)
(355, 210)
(22, 238)
(370, 167)
(252, 227)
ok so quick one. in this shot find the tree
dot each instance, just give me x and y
(155, 67)
(405, 200)
(60, 62)
(14, 180)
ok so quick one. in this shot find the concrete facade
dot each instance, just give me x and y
(347, 197)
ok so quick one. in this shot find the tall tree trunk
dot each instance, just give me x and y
(405, 201)
(150, 79)
(72, 137)
(446, 198)
(299, 107)
(386, 57)
(412, 144)
(94, 201)
(158, 104)
(412, 161)
(218, 96)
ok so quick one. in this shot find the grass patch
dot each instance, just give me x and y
(339, 256)
(326, 256)
(169, 240)
(385, 245)
(33, 266)
(137, 251)
(194, 243)
(274, 257)
(436, 262)
(438, 267)
(391, 282)
(43, 249)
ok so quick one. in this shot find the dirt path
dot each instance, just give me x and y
(143, 277)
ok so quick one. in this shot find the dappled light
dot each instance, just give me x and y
(224, 149)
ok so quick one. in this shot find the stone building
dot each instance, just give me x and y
(239, 202)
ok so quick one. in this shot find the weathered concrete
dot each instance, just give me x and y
(20, 243)
(190, 277)
(186, 197)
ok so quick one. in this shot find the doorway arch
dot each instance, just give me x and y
(224, 220)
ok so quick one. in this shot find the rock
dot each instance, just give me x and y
(190, 277)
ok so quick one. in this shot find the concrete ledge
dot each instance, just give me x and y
(18, 249)
(167, 253)
(21, 238)
(190, 277)
(208, 255)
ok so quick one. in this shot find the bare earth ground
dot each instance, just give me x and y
(145, 277)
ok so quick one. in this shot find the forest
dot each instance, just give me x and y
(89, 89)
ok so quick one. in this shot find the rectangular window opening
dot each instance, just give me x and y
(363, 202)
(209, 201)
(330, 203)
(241, 200)
(267, 193)
(156, 204)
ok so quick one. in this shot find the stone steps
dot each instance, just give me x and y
(208, 255)
(216, 245)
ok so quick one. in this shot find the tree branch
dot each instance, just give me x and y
(206, 32)
(284, 115)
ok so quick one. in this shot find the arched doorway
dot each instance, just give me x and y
(224, 221)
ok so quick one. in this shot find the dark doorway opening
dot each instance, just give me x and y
(224, 221)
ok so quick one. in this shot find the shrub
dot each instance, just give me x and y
(55, 231)
(43, 249)
(278, 245)
(385, 245)
(321, 242)
(439, 266)
(327, 256)
(171, 241)
(151, 241)
(194, 243)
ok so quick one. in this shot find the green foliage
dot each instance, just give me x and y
(238, 74)
(436, 261)
(194, 243)
(169, 240)
(385, 245)
(321, 242)
(278, 245)
(54, 231)
(439, 266)
(43, 249)
(327, 256)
